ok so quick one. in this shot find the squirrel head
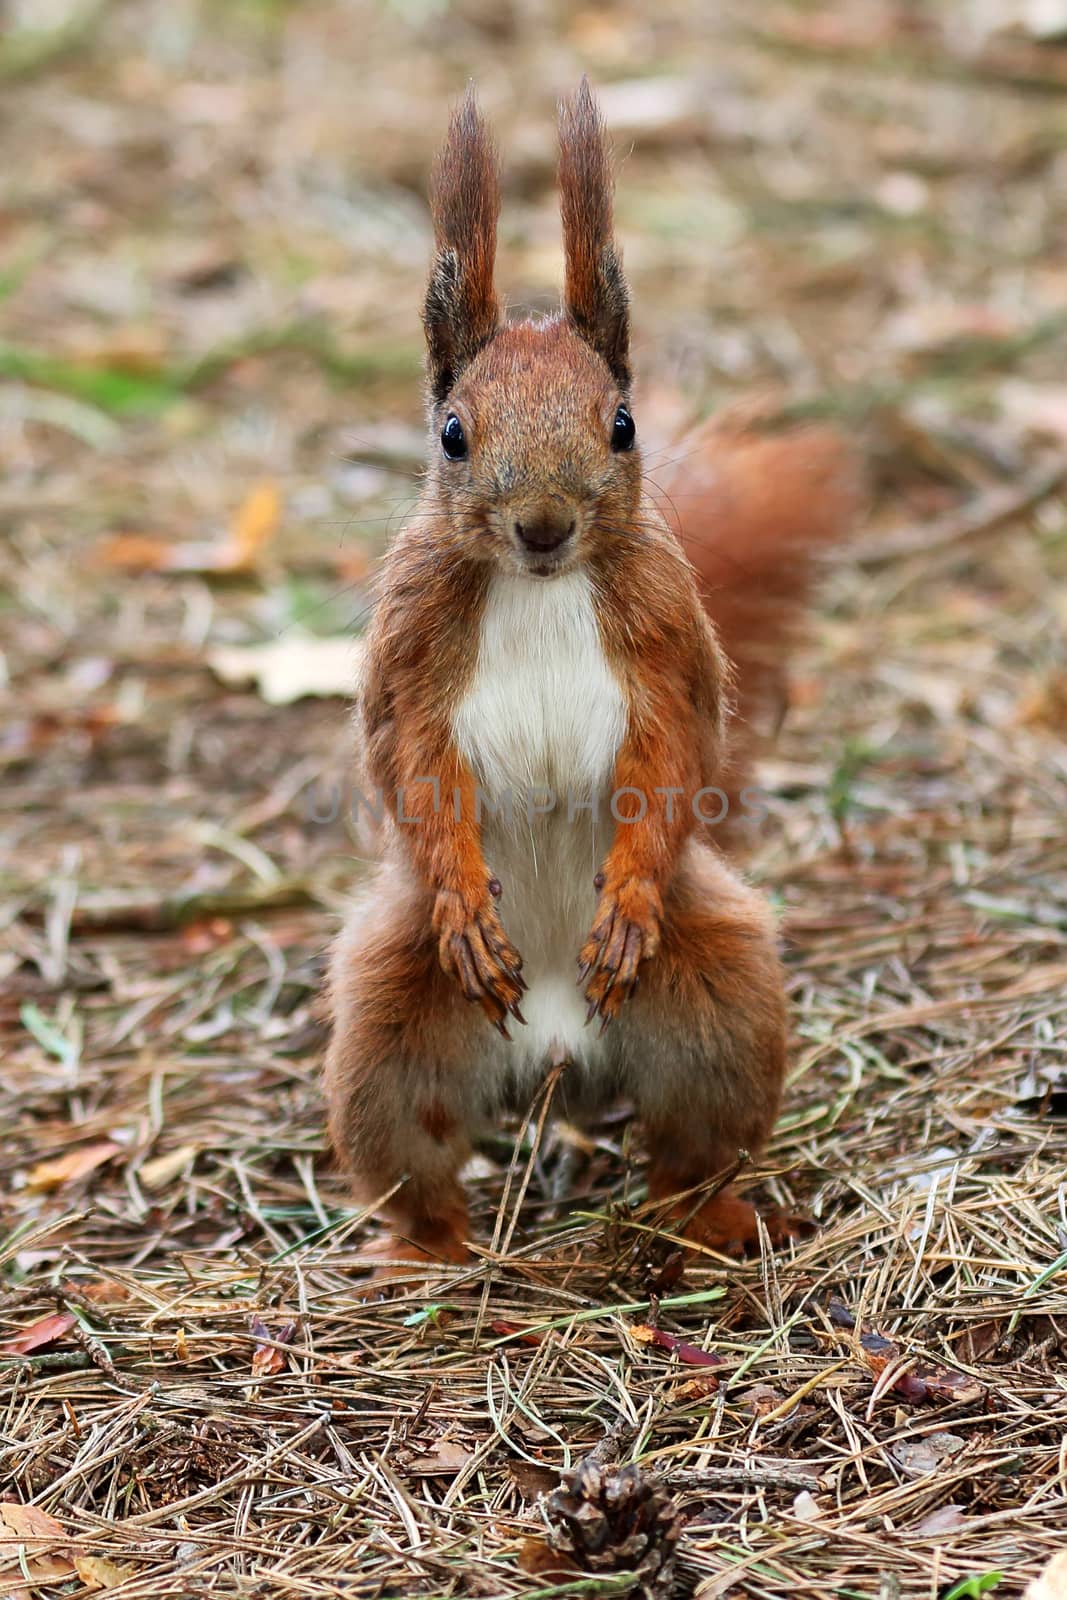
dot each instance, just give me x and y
(533, 452)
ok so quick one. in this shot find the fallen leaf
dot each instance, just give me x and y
(135, 552)
(691, 1354)
(1051, 1581)
(68, 1168)
(946, 1519)
(919, 1382)
(538, 1558)
(806, 1508)
(39, 1334)
(267, 1359)
(512, 1330)
(927, 1453)
(663, 1278)
(257, 520)
(158, 1172)
(532, 1480)
(290, 668)
(106, 1292)
(28, 1527)
(1043, 1091)
(695, 1388)
(763, 1397)
(98, 1572)
(447, 1459)
(980, 1339)
(1044, 702)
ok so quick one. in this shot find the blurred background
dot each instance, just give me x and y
(213, 243)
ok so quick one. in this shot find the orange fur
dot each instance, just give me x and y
(755, 509)
(461, 311)
(595, 292)
(670, 946)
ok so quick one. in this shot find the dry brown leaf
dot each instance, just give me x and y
(258, 518)
(946, 1519)
(106, 1292)
(267, 1358)
(926, 1453)
(916, 1383)
(448, 1458)
(99, 1572)
(39, 1334)
(135, 552)
(160, 1171)
(763, 1397)
(75, 1164)
(1044, 703)
(1051, 1581)
(33, 1529)
(255, 522)
(513, 1330)
(532, 1480)
(538, 1558)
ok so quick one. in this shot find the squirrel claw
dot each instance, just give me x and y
(501, 1027)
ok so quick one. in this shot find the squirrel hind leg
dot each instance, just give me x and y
(706, 1051)
(399, 1081)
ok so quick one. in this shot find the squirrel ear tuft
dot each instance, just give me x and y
(461, 310)
(596, 298)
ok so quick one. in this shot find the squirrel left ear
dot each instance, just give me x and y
(461, 311)
(596, 298)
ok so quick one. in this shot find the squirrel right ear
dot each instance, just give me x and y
(461, 311)
(596, 298)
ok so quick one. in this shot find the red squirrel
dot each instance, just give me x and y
(540, 637)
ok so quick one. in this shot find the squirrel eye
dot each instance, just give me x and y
(453, 439)
(623, 430)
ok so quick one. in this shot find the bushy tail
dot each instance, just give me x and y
(755, 510)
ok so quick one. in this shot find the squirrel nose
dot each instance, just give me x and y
(544, 534)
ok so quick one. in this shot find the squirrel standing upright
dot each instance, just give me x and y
(544, 702)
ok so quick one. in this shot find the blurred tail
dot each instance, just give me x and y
(754, 511)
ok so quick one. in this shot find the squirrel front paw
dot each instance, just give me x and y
(475, 951)
(625, 932)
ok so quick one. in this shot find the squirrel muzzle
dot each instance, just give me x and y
(543, 533)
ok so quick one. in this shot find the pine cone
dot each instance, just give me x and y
(607, 1519)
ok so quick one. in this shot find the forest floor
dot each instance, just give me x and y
(213, 246)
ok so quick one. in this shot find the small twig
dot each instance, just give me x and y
(758, 1477)
(149, 913)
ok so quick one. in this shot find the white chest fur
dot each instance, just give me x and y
(544, 708)
(544, 711)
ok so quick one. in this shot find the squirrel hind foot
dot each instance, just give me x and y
(730, 1226)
